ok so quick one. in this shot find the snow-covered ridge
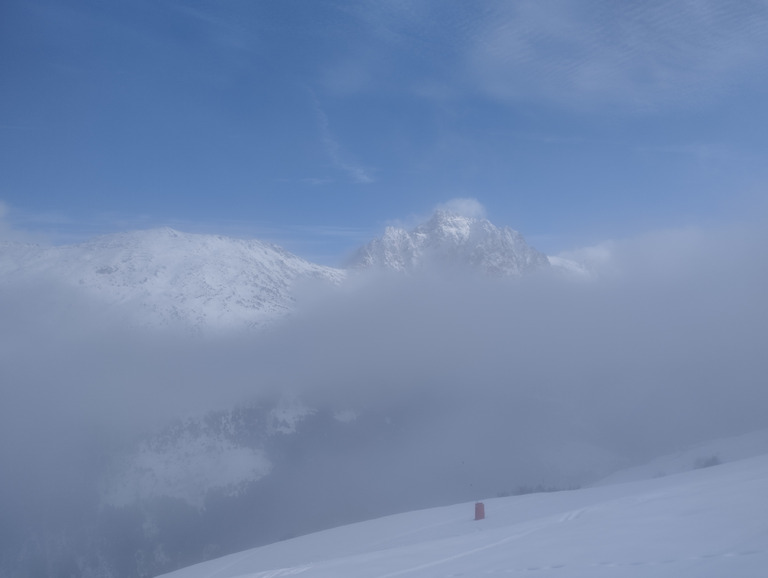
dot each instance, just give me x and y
(568, 266)
(707, 522)
(172, 277)
(162, 277)
(704, 455)
(452, 239)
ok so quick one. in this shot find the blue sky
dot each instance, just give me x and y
(315, 123)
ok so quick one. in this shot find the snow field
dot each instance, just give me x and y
(710, 522)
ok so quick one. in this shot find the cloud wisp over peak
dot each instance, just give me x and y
(466, 207)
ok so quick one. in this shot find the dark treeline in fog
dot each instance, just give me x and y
(133, 452)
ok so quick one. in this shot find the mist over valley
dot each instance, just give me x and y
(168, 398)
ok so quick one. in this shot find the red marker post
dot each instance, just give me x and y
(479, 511)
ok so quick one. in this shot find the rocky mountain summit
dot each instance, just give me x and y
(454, 240)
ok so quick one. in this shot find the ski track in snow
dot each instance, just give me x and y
(509, 571)
(568, 516)
(278, 573)
(460, 555)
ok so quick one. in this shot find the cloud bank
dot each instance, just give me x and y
(670, 324)
(478, 385)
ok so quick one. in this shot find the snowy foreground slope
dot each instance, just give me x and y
(709, 522)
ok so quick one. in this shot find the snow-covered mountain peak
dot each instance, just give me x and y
(162, 277)
(450, 238)
(451, 227)
(170, 277)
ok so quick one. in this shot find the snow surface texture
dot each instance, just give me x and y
(708, 522)
(452, 239)
(173, 278)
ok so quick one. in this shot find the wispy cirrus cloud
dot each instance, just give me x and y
(635, 55)
(355, 172)
(645, 55)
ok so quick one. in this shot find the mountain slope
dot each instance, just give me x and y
(172, 277)
(454, 240)
(707, 522)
